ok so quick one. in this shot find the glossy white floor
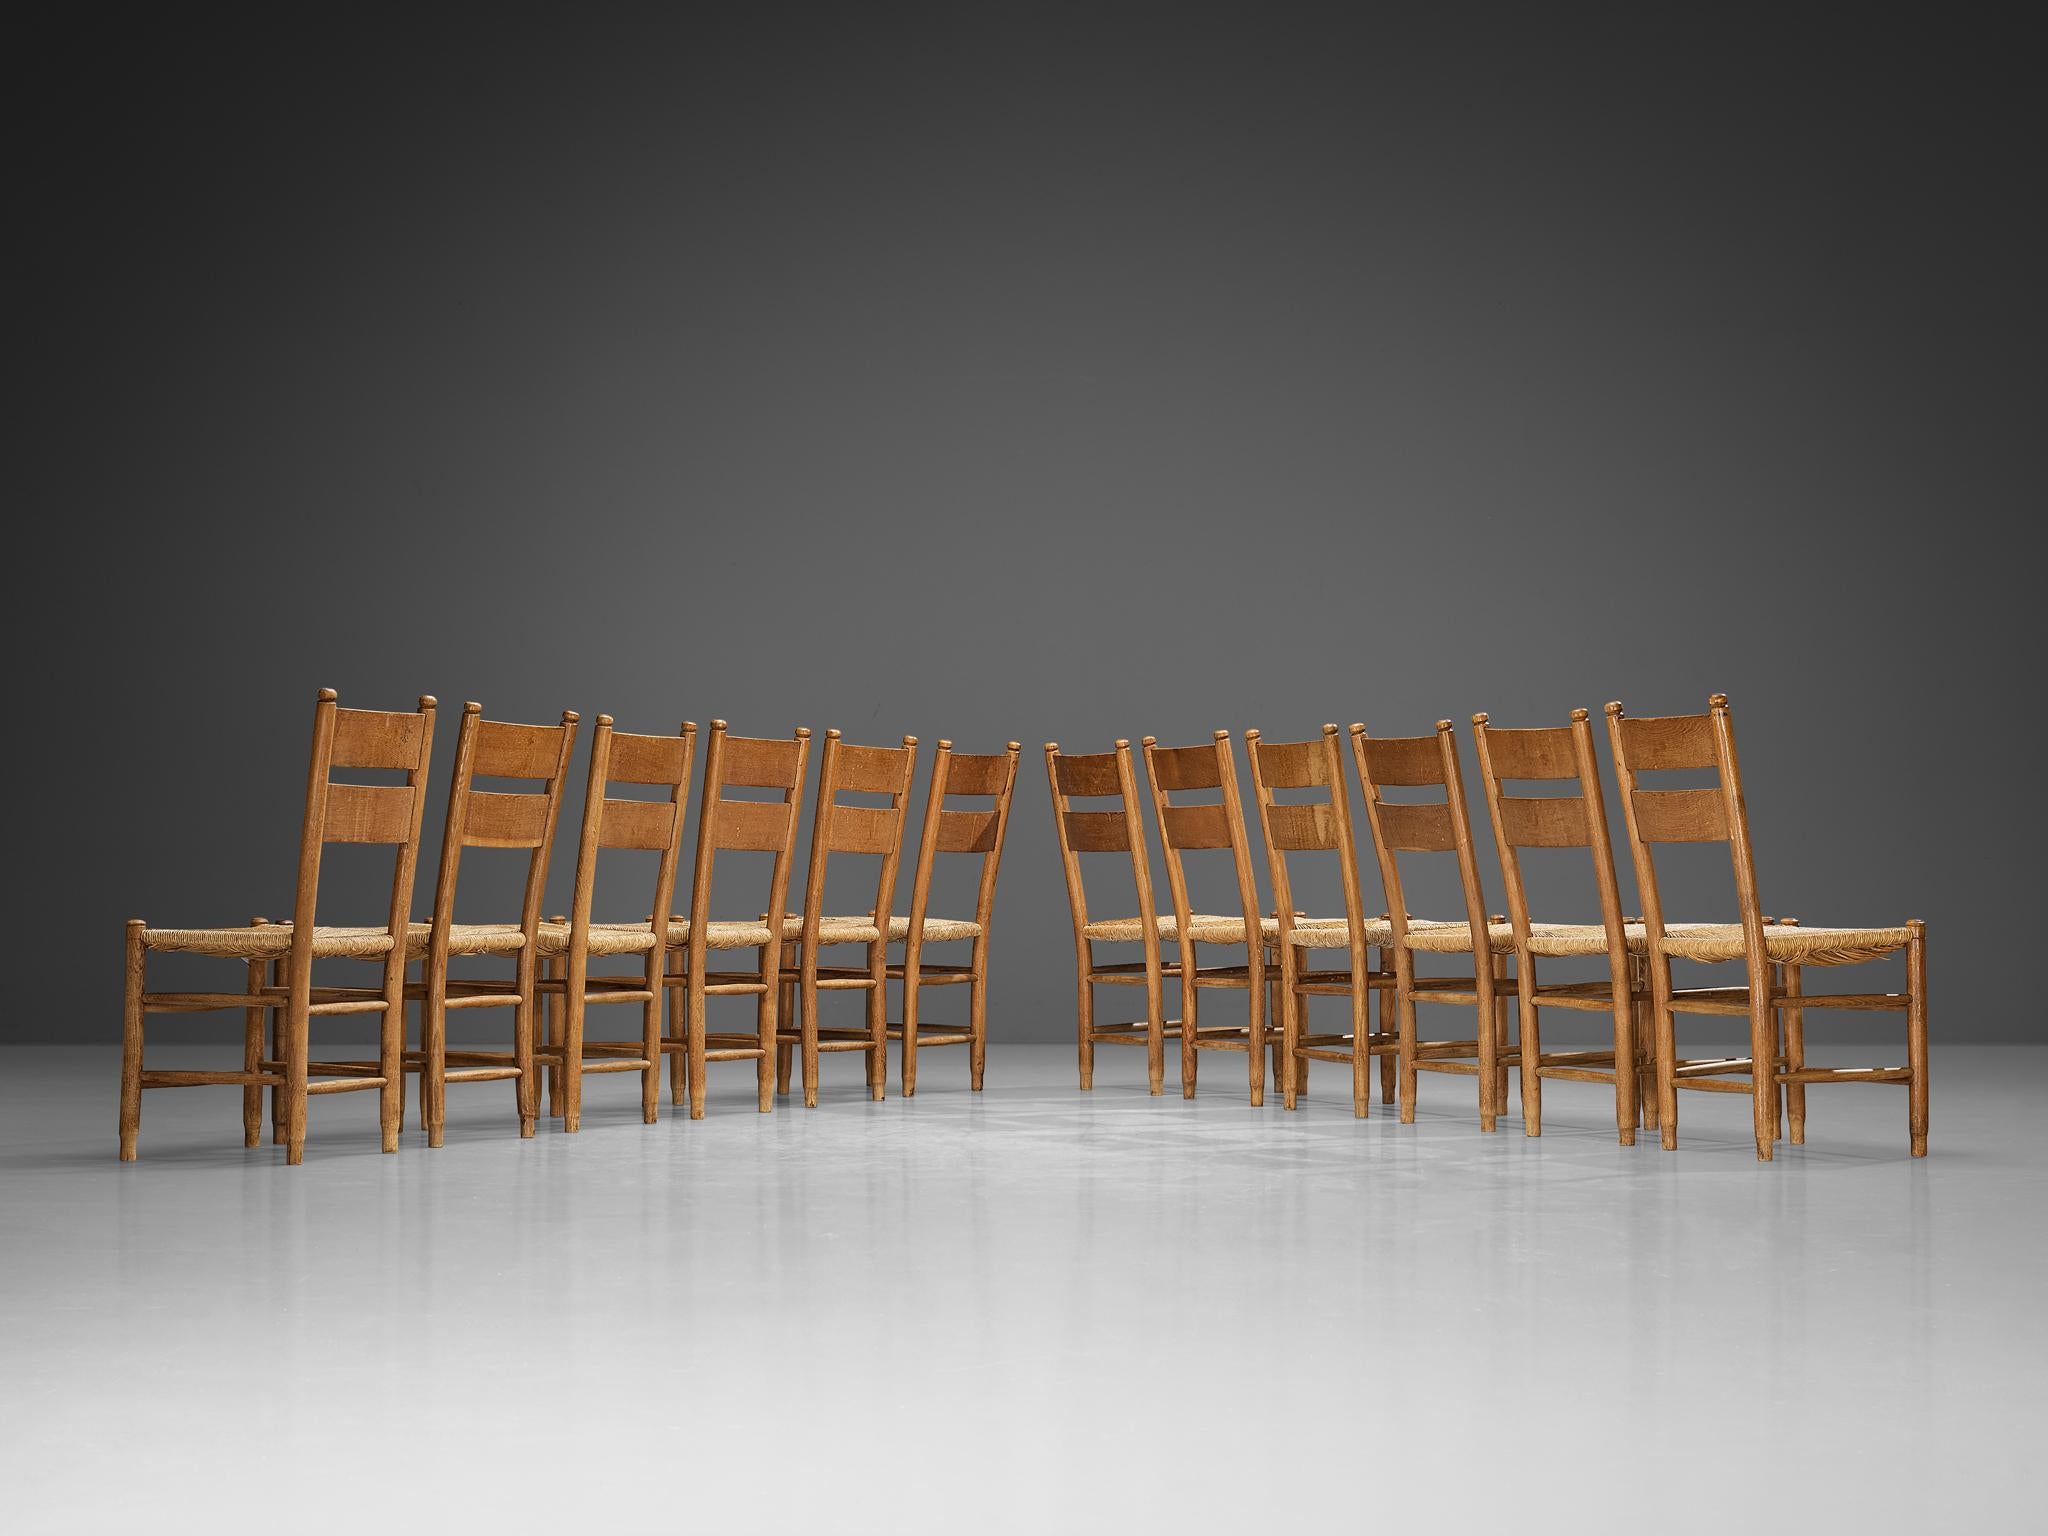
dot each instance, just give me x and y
(1032, 1309)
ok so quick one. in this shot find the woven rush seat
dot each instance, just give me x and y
(1553, 939)
(270, 941)
(937, 930)
(638, 938)
(833, 930)
(467, 939)
(1784, 943)
(1327, 932)
(1309, 932)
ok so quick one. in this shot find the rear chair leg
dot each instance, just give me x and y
(1916, 1034)
(131, 1041)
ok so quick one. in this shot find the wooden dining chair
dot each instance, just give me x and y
(871, 830)
(521, 820)
(1564, 755)
(569, 990)
(1211, 824)
(278, 957)
(1775, 954)
(1108, 776)
(729, 825)
(1437, 826)
(979, 834)
(1322, 825)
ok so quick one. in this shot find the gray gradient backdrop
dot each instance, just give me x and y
(1027, 372)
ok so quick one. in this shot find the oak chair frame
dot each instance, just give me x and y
(1774, 999)
(1443, 826)
(1323, 826)
(1106, 775)
(728, 825)
(1216, 826)
(280, 990)
(952, 832)
(1564, 754)
(847, 829)
(509, 819)
(566, 985)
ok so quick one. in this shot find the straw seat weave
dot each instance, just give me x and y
(937, 930)
(271, 941)
(1555, 939)
(468, 939)
(833, 930)
(638, 938)
(1784, 943)
(1309, 932)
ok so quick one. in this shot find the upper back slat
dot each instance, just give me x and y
(1663, 742)
(873, 770)
(1292, 764)
(760, 762)
(508, 751)
(1403, 760)
(376, 738)
(663, 760)
(1086, 773)
(1543, 753)
(1185, 767)
(977, 773)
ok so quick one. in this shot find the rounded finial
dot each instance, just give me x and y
(1443, 726)
(910, 741)
(832, 733)
(945, 745)
(428, 701)
(1580, 715)
(328, 695)
(1718, 701)
(1252, 734)
(472, 708)
(1123, 744)
(570, 717)
(1480, 718)
(718, 725)
(1013, 746)
(604, 720)
(1223, 735)
(689, 728)
(1151, 741)
(803, 732)
(1614, 707)
(1331, 729)
(1052, 746)
(1357, 728)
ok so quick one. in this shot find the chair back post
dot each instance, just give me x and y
(1310, 763)
(927, 853)
(992, 856)
(577, 956)
(759, 826)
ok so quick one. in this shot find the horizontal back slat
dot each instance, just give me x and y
(1297, 828)
(1417, 828)
(1532, 823)
(1195, 826)
(1293, 764)
(494, 820)
(506, 751)
(872, 770)
(762, 825)
(637, 824)
(368, 813)
(864, 829)
(376, 738)
(1098, 832)
(1186, 768)
(649, 759)
(1408, 760)
(967, 831)
(1088, 773)
(1667, 742)
(973, 773)
(759, 762)
(1532, 754)
(1681, 815)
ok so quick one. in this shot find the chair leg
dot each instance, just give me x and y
(252, 1058)
(650, 1045)
(1916, 1035)
(1530, 1073)
(277, 1090)
(1500, 1034)
(977, 1026)
(678, 1065)
(807, 1040)
(525, 1092)
(297, 1044)
(908, 1072)
(433, 1069)
(1389, 1061)
(1155, 1033)
(1084, 1019)
(1293, 1005)
(1404, 1006)
(572, 1053)
(694, 1044)
(767, 1024)
(551, 1017)
(877, 1053)
(1625, 1078)
(1255, 1035)
(785, 1050)
(1190, 1012)
(1795, 1057)
(131, 1040)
